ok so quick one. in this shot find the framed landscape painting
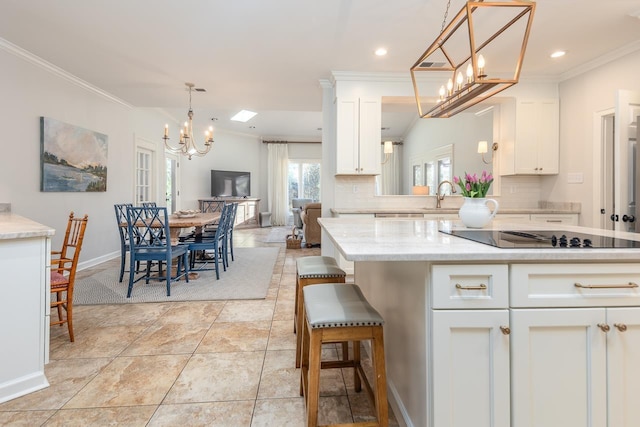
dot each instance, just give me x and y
(72, 158)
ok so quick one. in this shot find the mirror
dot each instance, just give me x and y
(427, 151)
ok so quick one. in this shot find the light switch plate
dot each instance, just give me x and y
(575, 178)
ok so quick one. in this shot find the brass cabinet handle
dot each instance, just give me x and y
(627, 286)
(480, 287)
(505, 330)
(604, 327)
(621, 326)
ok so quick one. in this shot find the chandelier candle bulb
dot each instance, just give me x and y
(481, 65)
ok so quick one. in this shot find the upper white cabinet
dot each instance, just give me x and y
(532, 146)
(358, 136)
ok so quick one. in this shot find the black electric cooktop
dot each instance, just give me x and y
(531, 239)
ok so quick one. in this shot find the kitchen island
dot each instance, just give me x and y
(25, 264)
(482, 336)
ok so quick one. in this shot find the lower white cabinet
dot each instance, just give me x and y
(470, 368)
(563, 351)
(623, 366)
(576, 367)
(571, 219)
(559, 367)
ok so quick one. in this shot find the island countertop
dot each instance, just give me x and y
(386, 239)
(14, 226)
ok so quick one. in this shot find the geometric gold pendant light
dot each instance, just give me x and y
(479, 36)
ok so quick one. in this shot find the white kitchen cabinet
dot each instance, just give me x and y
(25, 263)
(569, 219)
(623, 369)
(470, 346)
(558, 367)
(358, 136)
(438, 216)
(575, 344)
(512, 217)
(534, 149)
(470, 368)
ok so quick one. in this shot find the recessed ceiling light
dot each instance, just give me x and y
(558, 53)
(381, 51)
(243, 116)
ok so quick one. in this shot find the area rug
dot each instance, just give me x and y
(247, 277)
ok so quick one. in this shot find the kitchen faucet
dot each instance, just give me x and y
(439, 196)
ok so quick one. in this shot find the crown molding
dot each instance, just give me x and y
(601, 60)
(402, 77)
(18, 52)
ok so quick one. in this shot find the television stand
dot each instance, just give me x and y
(248, 209)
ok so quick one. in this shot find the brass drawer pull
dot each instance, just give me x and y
(480, 287)
(505, 330)
(621, 326)
(627, 286)
(604, 327)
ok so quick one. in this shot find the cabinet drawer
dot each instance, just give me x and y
(571, 219)
(574, 285)
(469, 286)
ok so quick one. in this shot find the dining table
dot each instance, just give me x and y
(199, 220)
(177, 223)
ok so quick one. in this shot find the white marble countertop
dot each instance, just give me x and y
(387, 239)
(347, 211)
(17, 227)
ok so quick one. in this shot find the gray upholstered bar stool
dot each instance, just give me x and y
(338, 312)
(313, 270)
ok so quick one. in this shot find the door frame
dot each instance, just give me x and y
(175, 182)
(599, 220)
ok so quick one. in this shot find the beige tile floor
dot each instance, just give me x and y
(206, 363)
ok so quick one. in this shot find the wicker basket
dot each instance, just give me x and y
(294, 240)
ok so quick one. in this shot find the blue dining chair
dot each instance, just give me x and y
(123, 230)
(147, 226)
(211, 244)
(228, 242)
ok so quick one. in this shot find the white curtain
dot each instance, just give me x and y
(278, 173)
(391, 173)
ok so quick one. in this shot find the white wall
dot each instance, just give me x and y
(30, 91)
(31, 88)
(580, 98)
(232, 152)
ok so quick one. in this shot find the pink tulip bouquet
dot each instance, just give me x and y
(472, 186)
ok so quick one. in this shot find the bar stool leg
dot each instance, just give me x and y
(381, 375)
(313, 391)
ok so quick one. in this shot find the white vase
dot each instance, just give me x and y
(475, 212)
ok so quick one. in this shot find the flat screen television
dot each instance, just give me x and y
(230, 184)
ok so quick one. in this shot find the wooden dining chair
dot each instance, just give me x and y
(147, 227)
(63, 271)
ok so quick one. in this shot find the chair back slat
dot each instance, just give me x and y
(148, 226)
(211, 205)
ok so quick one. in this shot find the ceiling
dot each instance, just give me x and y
(270, 56)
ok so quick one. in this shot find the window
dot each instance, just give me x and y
(304, 179)
(144, 172)
(434, 167)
